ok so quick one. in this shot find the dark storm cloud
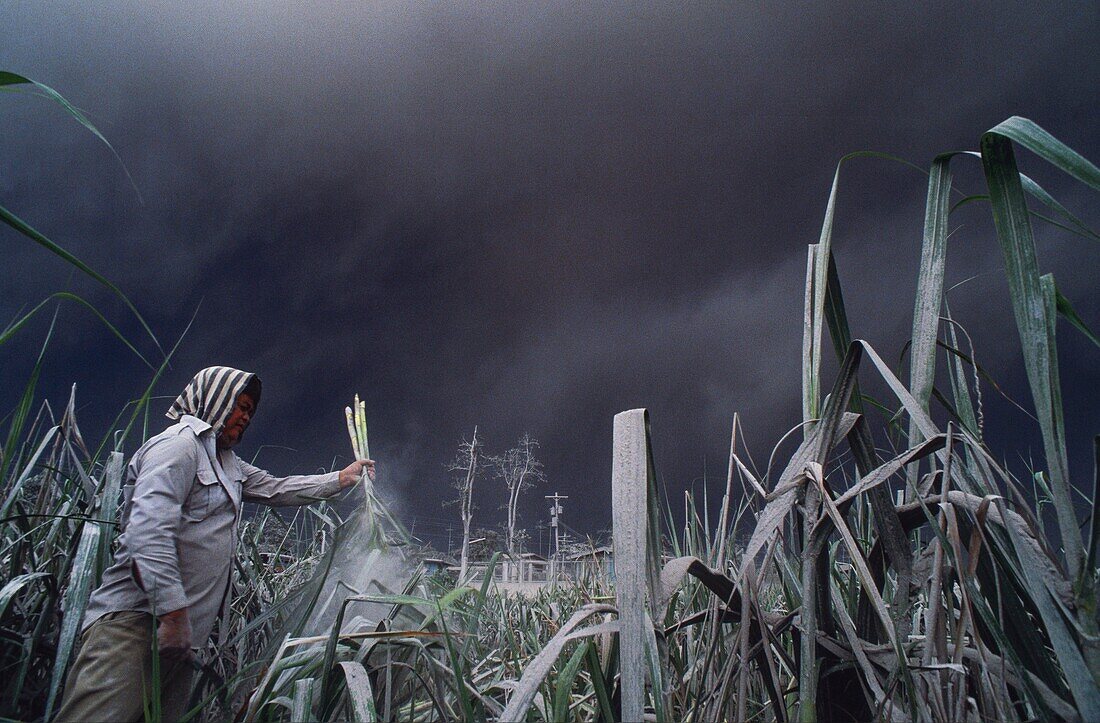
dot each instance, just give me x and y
(526, 218)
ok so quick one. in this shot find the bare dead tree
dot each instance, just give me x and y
(518, 469)
(465, 468)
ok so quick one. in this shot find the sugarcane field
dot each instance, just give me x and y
(549, 362)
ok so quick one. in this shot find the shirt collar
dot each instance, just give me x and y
(196, 424)
(231, 466)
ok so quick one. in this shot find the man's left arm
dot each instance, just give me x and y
(265, 488)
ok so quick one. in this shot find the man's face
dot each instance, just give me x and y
(238, 421)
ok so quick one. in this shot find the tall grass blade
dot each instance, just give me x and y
(107, 508)
(19, 417)
(599, 685)
(1032, 137)
(9, 79)
(537, 670)
(810, 364)
(64, 295)
(1013, 226)
(142, 403)
(563, 685)
(468, 713)
(926, 311)
(82, 578)
(1066, 310)
(1069, 222)
(24, 228)
(817, 273)
(886, 520)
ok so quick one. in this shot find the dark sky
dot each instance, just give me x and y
(526, 217)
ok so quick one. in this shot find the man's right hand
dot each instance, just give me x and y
(353, 473)
(174, 636)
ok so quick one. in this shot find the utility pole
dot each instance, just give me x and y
(555, 510)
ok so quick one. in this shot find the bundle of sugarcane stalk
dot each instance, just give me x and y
(367, 555)
(373, 511)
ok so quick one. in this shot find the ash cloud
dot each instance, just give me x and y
(526, 219)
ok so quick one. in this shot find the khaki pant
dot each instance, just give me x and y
(111, 678)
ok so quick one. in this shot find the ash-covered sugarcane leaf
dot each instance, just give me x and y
(302, 700)
(82, 578)
(1031, 136)
(1029, 302)
(17, 584)
(1086, 693)
(359, 692)
(930, 280)
(817, 275)
(535, 673)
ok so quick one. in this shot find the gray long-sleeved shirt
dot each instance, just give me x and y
(180, 526)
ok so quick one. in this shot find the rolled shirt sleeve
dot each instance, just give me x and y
(263, 487)
(168, 471)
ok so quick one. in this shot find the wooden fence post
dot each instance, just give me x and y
(629, 492)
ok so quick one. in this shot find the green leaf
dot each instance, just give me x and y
(460, 682)
(19, 418)
(563, 686)
(599, 685)
(479, 603)
(1094, 537)
(22, 227)
(17, 325)
(302, 699)
(1065, 308)
(1069, 222)
(9, 79)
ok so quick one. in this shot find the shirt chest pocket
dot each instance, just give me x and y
(207, 496)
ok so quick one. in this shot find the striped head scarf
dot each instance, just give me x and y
(212, 393)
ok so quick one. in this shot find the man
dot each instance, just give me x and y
(176, 550)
